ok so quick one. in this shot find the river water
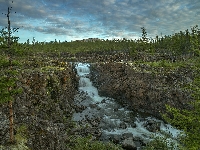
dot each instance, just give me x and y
(115, 120)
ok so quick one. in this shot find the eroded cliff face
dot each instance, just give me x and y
(141, 87)
(42, 112)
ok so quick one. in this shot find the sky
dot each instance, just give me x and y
(69, 20)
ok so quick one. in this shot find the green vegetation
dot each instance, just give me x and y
(175, 45)
(184, 47)
(8, 87)
(8, 78)
(20, 140)
(159, 143)
(8, 73)
(182, 44)
(188, 120)
(86, 143)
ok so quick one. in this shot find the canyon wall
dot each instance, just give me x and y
(42, 112)
(143, 88)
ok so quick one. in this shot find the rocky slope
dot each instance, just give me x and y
(42, 112)
(141, 87)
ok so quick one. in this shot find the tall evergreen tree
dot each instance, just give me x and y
(8, 73)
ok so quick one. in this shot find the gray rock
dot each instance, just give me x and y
(133, 125)
(4, 128)
(139, 144)
(129, 144)
(103, 101)
(152, 125)
(93, 105)
(104, 137)
(127, 135)
(150, 122)
(115, 138)
(123, 125)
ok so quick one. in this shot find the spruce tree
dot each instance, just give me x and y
(8, 72)
(8, 78)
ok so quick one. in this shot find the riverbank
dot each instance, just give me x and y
(143, 87)
(107, 120)
(42, 112)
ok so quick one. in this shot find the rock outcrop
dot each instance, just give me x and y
(42, 112)
(143, 88)
(43, 108)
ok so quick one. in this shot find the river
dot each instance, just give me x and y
(116, 121)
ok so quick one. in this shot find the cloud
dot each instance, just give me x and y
(102, 18)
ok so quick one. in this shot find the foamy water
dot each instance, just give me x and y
(112, 114)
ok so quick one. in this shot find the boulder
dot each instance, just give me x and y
(129, 144)
(152, 125)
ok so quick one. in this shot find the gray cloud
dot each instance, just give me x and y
(106, 17)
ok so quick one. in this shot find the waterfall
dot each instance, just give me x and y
(115, 119)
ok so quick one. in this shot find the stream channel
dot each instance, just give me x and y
(116, 122)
